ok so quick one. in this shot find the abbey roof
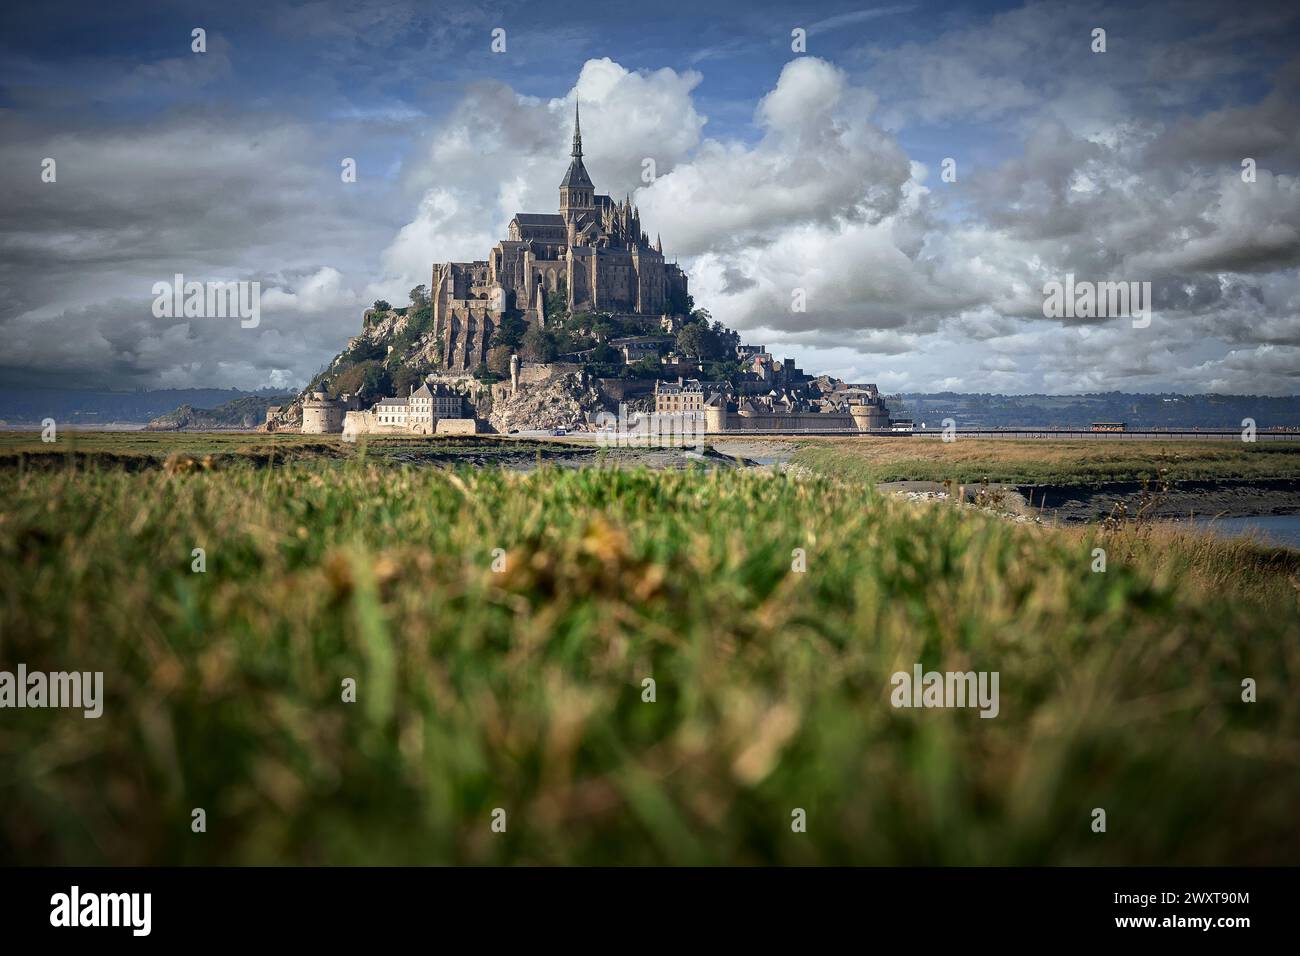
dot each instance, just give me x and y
(577, 175)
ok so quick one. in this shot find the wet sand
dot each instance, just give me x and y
(1070, 504)
(1231, 499)
(568, 455)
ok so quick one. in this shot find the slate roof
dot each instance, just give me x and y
(577, 175)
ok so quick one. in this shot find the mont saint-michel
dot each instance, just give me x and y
(593, 252)
(573, 316)
(640, 435)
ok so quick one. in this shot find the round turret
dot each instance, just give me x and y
(715, 417)
(867, 417)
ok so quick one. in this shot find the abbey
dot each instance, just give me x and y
(593, 250)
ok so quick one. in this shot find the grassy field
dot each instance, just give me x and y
(523, 689)
(1081, 462)
(862, 460)
(144, 449)
(160, 444)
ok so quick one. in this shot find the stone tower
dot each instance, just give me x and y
(577, 194)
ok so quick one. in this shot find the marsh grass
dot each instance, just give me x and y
(1081, 462)
(523, 689)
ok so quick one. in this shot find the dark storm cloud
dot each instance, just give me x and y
(212, 196)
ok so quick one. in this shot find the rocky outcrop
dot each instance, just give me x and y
(565, 401)
(288, 419)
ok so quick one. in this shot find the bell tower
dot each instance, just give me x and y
(577, 194)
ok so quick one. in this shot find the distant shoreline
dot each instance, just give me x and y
(75, 426)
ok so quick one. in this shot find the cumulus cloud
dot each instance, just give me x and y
(500, 152)
(322, 290)
(1120, 166)
(819, 161)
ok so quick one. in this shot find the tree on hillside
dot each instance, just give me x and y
(723, 371)
(498, 360)
(724, 342)
(364, 350)
(375, 382)
(647, 367)
(557, 305)
(420, 320)
(404, 377)
(381, 305)
(605, 327)
(420, 296)
(510, 332)
(697, 339)
(680, 303)
(566, 340)
(692, 340)
(538, 345)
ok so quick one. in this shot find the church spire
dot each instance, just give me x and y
(576, 188)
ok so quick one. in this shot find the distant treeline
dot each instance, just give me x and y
(1165, 410)
(29, 406)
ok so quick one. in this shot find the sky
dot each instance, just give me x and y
(776, 176)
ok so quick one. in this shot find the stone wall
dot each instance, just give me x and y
(619, 389)
(456, 426)
(813, 421)
(367, 423)
(534, 373)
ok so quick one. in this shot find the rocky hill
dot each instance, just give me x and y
(247, 412)
(395, 349)
(398, 347)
